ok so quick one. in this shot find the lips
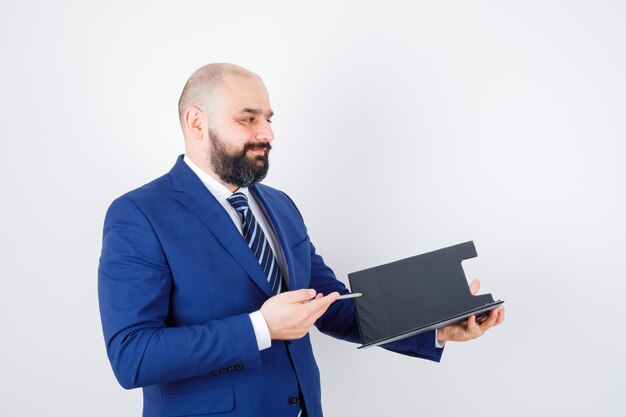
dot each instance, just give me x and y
(259, 149)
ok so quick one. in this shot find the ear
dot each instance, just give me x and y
(194, 121)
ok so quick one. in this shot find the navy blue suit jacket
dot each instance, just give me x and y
(176, 283)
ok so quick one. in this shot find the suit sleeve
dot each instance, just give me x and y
(340, 320)
(134, 285)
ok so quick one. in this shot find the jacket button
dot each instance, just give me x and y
(294, 400)
(289, 342)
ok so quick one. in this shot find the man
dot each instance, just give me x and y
(208, 282)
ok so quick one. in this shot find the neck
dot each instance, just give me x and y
(205, 165)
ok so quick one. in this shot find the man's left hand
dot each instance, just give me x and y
(470, 329)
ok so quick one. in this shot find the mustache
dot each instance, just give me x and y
(258, 145)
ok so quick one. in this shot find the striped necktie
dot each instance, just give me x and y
(257, 242)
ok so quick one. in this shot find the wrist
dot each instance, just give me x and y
(261, 330)
(440, 336)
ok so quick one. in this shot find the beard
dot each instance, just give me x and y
(238, 168)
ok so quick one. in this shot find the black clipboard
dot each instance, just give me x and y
(413, 295)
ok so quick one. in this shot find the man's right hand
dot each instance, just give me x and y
(287, 315)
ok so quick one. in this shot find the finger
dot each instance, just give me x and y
(318, 295)
(474, 286)
(319, 305)
(482, 318)
(491, 320)
(298, 296)
(333, 297)
(472, 327)
(500, 315)
(327, 299)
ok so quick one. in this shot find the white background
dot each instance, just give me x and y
(433, 123)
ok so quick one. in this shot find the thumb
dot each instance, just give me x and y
(474, 286)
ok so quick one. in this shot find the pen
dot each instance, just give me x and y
(353, 295)
(341, 297)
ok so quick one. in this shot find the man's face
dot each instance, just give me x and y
(240, 134)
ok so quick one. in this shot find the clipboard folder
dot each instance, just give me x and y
(413, 295)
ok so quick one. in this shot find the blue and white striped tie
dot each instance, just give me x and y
(257, 242)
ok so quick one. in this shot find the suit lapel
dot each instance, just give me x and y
(191, 193)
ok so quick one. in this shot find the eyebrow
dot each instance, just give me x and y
(257, 112)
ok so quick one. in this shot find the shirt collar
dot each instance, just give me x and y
(219, 190)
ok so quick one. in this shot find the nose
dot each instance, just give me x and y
(265, 132)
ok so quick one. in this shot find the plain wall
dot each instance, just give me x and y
(401, 127)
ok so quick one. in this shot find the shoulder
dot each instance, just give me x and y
(151, 195)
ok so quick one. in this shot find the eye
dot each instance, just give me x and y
(248, 119)
(269, 121)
